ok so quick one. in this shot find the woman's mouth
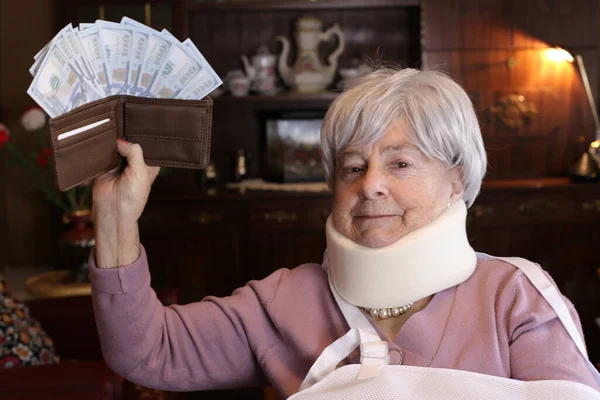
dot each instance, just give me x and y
(375, 216)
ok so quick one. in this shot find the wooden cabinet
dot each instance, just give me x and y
(286, 233)
(194, 245)
(211, 244)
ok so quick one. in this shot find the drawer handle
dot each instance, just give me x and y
(591, 206)
(482, 211)
(204, 218)
(280, 216)
(538, 205)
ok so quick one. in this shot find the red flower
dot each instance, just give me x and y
(10, 362)
(43, 158)
(4, 135)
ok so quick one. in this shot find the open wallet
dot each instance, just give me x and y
(173, 133)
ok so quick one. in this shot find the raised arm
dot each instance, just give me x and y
(204, 345)
(119, 198)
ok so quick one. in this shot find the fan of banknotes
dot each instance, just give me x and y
(101, 59)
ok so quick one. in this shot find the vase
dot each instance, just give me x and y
(76, 243)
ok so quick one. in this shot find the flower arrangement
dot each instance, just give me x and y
(38, 164)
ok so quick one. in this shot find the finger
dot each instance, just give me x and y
(132, 152)
(153, 172)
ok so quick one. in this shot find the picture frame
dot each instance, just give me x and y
(292, 147)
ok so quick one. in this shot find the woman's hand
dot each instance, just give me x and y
(119, 198)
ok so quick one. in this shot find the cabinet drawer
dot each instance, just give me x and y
(308, 214)
(587, 207)
(193, 216)
(500, 209)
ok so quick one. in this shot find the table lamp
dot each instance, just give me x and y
(587, 167)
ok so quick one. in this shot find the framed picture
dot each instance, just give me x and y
(293, 147)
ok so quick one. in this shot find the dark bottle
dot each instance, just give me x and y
(208, 177)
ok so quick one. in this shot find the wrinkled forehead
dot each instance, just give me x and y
(395, 136)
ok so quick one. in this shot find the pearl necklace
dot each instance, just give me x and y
(385, 313)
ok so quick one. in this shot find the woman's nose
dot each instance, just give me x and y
(374, 184)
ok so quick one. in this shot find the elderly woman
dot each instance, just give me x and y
(404, 157)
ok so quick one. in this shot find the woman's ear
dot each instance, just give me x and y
(458, 187)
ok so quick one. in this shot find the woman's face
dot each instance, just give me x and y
(387, 190)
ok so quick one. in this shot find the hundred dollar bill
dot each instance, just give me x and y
(157, 50)
(205, 81)
(75, 46)
(58, 87)
(86, 60)
(43, 51)
(177, 71)
(63, 40)
(138, 51)
(36, 65)
(87, 93)
(199, 86)
(117, 51)
(85, 25)
(140, 41)
(202, 83)
(92, 45)
(63, 44)
(168, 34)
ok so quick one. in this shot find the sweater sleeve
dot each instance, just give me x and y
(540, 347)
(211, 344)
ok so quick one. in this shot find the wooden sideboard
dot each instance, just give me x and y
(210, 244)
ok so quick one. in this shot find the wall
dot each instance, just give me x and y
(25, 227)
(474, 39)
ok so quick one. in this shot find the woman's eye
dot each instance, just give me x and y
(401, 164)
(353, 170)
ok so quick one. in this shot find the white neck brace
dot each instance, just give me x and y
(425, 261)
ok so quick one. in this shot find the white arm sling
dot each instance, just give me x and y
(374, 378)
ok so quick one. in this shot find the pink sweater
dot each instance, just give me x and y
(271, 331)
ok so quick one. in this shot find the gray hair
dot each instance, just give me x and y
(436, 111)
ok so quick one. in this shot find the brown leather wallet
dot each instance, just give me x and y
(173, 133)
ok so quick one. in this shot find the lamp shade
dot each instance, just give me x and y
(559, 54)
